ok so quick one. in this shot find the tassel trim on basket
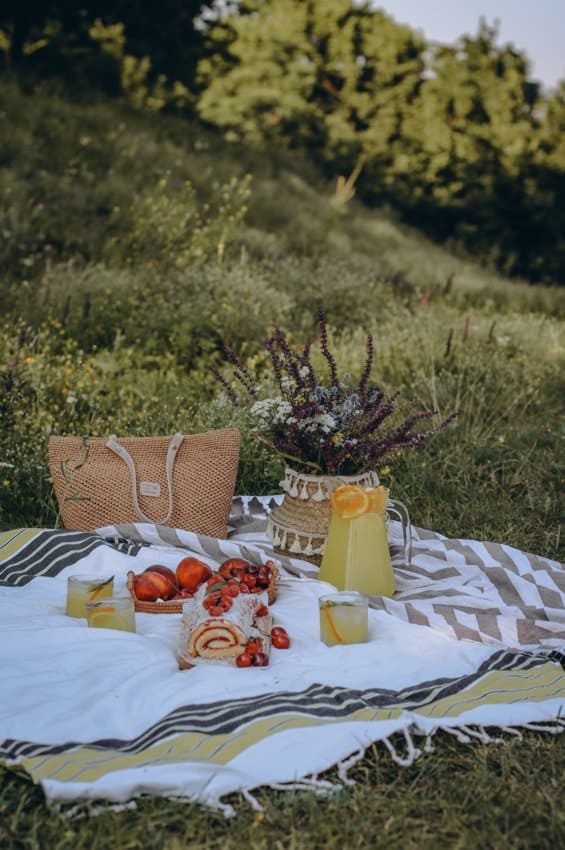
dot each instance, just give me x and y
(290, 539)
(317, 488)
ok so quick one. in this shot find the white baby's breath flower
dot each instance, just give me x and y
(304, 371)
(326, 422)
(271, 411)
(323, 422)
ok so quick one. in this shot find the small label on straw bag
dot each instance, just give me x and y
(150, 488)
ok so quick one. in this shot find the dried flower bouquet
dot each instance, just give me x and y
(326, 426)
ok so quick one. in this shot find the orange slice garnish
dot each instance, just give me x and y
(330, 619)
(350, 501)
(94, 594)
(378, 497)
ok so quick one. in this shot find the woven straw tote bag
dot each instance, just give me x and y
(184, 482)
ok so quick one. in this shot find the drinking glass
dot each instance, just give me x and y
(116, 612)
(344, 618)
(83, 589)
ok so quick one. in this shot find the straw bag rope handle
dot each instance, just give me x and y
(174, 446)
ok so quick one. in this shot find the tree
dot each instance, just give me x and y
(25, 21)
(470, 153)
(164, 30)
(334, 76)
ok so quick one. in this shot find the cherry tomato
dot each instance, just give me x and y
(262, 611)
(249, 580)
(244, 660)
(232, 590)
(215, 579)
(278, 630)
(260, 659)
(280, 641)
(215, 611)
(253, 646)
(225, 604)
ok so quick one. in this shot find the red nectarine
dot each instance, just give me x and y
(191, 573)
(150, 586)
(165, 571)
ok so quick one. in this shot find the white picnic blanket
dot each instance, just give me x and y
(472, 639)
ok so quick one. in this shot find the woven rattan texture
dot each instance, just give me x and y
(93, 485)
(303, 515)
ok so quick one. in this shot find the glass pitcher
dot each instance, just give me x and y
(356, 554)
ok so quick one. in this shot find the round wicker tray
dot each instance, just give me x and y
(174, 606)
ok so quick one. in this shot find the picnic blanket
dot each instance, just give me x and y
(471, 643)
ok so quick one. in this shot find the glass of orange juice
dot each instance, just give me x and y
(83, 589)
(344, 618)
(116, 612)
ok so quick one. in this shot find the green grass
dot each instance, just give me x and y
(463, 796)
(118, 283)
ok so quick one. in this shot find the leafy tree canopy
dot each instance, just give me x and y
(458, 136)
(164, 30)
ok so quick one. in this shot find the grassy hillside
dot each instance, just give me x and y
(132, 245)
(118, 281)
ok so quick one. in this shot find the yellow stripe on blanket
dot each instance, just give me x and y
(88, 764)
(15, 539)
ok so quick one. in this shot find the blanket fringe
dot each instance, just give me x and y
(324, 787)
(481, 734)
(556, 727)
(346, 765)
(226, 809)
(511, 730)
(453, 730)
(412, 751)
(466, 734)
(253, 801)
(428, 745)
(87, 809)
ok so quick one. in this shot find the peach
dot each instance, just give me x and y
(150, 586)
(165, 571)
(191, 573)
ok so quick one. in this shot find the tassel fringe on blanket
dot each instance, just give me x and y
(325, 787)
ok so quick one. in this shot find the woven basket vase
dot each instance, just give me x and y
(299, 526)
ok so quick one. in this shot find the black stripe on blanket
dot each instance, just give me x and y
(319, 701)
(52, 551)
